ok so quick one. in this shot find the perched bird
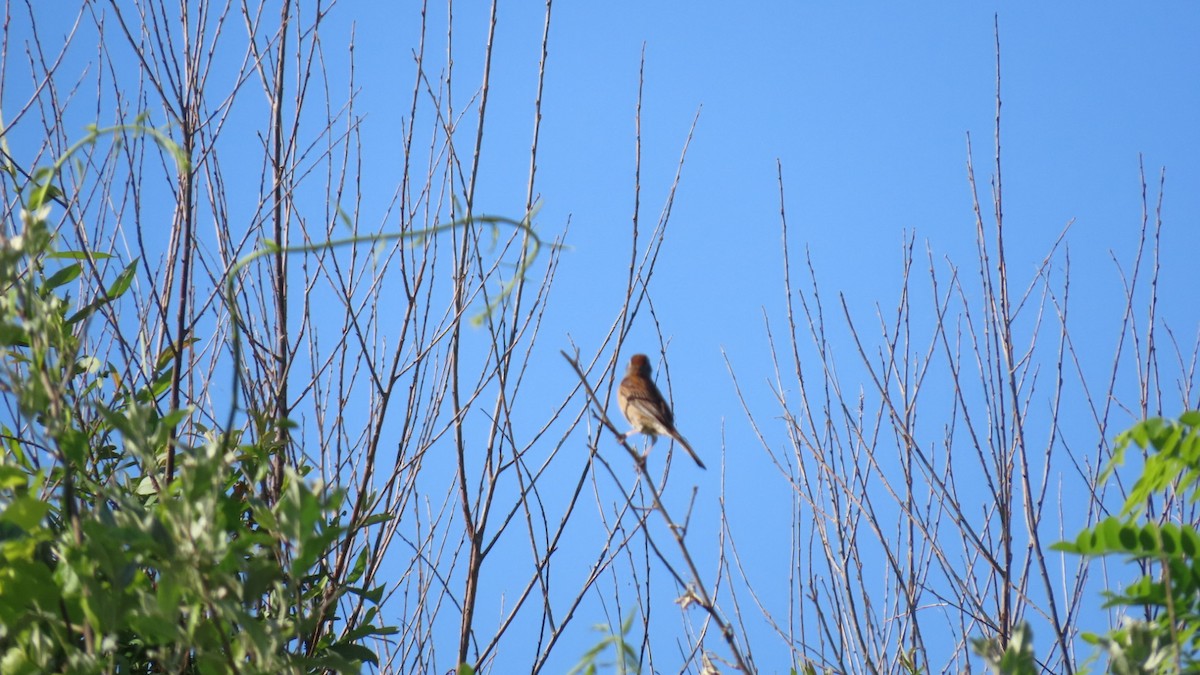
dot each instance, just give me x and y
(644, 406)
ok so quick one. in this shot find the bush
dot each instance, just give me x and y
(1168, 594)
(109, 562)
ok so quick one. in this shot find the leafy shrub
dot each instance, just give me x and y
(109, 564)
(1169, 592)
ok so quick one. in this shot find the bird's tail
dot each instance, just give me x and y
(691, 452)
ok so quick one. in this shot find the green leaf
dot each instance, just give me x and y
(1147, 540)
(173, 418)
(78, 255)
(26, 512)
(62, 277)
(1127, 537)
(355, 652)
(1169, 539)
(168, 353)
(1066, 547)
(375, 519)
(374, 594)
(43, 190)
(84, 312)
(365, 629)
(1189, 541)
(119, 286)
(74, 445)
(13, 336)
(360, 565)
(11, 477)
(155, 389)
(123, 281)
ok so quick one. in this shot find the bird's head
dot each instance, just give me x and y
(639, 365)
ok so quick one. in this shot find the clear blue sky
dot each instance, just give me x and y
(868, 108)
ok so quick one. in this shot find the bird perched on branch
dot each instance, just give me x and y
(644, 406)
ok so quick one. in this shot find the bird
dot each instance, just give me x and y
(644, 406)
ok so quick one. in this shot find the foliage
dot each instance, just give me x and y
(106, 563)
(1169, 641)
(626, 655)
(1136, 647)
(1014, 659)
(1171, 597)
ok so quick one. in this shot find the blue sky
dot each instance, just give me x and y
(867, 109)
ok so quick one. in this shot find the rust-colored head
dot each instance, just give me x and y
(639, 365)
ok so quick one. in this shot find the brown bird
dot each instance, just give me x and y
(644, 406)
